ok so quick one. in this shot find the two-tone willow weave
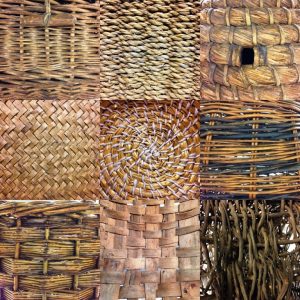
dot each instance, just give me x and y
(149, 50)
(49, 149)
(49, 250)
(49, 49)
(150, 151)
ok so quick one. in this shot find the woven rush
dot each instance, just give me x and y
(149, 50)
(49, 49)
(49, 250)
(250, 249)
(150, 151)
(48, 149)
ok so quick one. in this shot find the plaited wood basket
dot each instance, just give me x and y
(149, 158)
(49, 149)
(49, 250)
(49, 49)
(149, 50)
(250, 249)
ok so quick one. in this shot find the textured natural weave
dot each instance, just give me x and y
(49, 149)
(150, 251)
(149, 151)
(250, 249)
(250, 148)
(49, 250)
(250, 108)
(273, 34)
(49, 49)
(149, 50)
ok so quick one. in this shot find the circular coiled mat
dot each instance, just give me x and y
(150, 151)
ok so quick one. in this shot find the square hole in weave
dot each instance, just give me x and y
(149, 150)
(48, 149)
(247, 56)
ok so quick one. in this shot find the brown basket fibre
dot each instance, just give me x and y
(250, 249)
(150, 151)
(149, 50)
(49, 250)
(48, 149)
(150, 251)
(49, 49)
(250, 84)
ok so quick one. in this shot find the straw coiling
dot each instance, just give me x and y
(149, 151)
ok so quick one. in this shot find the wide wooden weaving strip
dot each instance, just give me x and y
(48, 149)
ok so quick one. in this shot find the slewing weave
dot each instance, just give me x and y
(49, 250)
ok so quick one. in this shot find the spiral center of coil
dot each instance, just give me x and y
(150, 151)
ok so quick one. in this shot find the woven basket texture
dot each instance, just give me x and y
(271, 30)
(49, 149)
(250, 249)
(250, 139)
(149, 50)
(49, 250)
(150, 251)
(49, 49)
(149, 151)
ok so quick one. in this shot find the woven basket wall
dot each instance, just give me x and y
(149, 50)
(48, 149)
(149, 157)
(250, 249)
(49, 56)
(49, 250)
(149, 151)
(250, 111)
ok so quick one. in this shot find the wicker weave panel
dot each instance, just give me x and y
(58, 58)
(250, 249)
(48, 149)
(150, 151)
(150, 251)
(149, 50)
(67, 236)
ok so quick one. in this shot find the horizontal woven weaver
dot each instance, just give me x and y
(49, 250)
(250, 249)
(49, 49)
(48, 149)
(150, 151)
(149, 50)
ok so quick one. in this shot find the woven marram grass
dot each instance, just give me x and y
(250, 249)
(150, 150)
(48, 149)
(271, 29)
(49, 250)
(149, 50)
(49, 49)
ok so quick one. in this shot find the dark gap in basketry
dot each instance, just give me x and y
(91, 1)
(247, 56)
(63, 2)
